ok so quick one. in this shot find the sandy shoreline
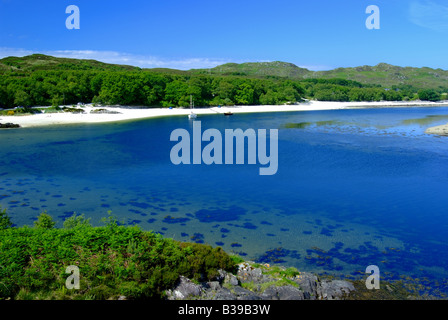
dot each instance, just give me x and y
(128, 113)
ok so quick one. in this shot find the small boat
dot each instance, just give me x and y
(228, 113)
(192, 115)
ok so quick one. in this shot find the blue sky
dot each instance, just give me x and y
(184, 34)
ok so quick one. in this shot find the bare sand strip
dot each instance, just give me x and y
(129, 113)
(438, 130)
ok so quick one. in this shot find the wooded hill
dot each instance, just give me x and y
(39, 80)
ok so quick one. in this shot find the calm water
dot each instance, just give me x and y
(353, 188)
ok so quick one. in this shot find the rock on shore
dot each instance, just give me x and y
(253, 283)
(8, 125)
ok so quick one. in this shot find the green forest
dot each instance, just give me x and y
(40, 80)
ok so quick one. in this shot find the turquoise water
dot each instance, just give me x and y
(353, 187)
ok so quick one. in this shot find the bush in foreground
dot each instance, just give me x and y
(113, 260)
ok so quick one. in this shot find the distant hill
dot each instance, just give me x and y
(388, 75)
(383, 74)
(37, 62)
(259, 69)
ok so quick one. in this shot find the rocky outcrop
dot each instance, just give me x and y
(255, 283)
(8, 125)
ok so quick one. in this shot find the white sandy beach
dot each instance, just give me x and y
(128, 113)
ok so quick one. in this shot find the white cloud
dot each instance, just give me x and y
(429, 14)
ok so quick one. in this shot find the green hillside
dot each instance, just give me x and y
(383, 74)
(388, 75)
(37, 62)
(259, 69)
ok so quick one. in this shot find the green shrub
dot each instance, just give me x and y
(5, 221)
(44, 221)
(76, 221)
(113, 260)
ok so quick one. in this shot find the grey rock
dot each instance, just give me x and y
(283, 293)
(213, 285)
(309, 284)
(334, 290)
(244, 294)
(231, 279)
(224, 294)
(247, 273)
(185, 289)
(227, 287)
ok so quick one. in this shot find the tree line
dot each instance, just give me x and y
(158, 89)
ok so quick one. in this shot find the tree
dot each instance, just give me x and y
(244, 94)
(44, 221)
(428, 95)
(176, 94)
(21, 98)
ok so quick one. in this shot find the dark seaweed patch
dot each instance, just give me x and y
(183, 234)
(174, 209)
(224, 230)
(170, 219)
(66, 214)
(248, 225)
(277, 255)
(266, 222)
(326, 232)
(60, 143)
(198, 238)
(235, 245)
(216, 215)
(141, 205)
(270, 234)
(150, 220)
(219, 243)
(284, 229)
